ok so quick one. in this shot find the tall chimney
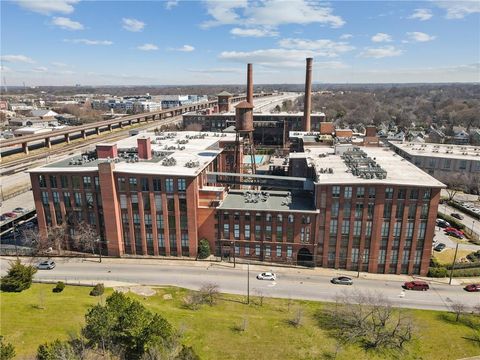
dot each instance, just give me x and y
(250, 84)
(308, 96)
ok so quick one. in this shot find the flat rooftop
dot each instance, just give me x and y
(332, 169)
(268, 201)
(463, 152)
(192, 151)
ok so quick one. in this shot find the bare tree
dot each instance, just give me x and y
(209, 293)
(455, 184)
(85, 237)
(369, 320)
(296, 321)
(56, 237)
(259, 293)
(458, 309)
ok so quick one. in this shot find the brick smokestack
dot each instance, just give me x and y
(144, 148)
(250, 84)
(307, 107)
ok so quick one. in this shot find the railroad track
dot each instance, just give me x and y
(28, 161)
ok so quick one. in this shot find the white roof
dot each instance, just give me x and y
(462, 152)
(399, 171)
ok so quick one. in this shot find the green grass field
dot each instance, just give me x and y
(38, 315)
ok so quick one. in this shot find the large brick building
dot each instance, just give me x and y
(157, 195)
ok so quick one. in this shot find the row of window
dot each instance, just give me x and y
(256, 250)
(265, 233)
(268, 217)
(65, 181)
(156, 185)
(361, 193)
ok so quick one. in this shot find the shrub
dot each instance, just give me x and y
(55, 350)
(437, 272)
(466, 272)
(203, 249)
(98, 290)
(474, 256)
(19, 277)
(7, 351)
(59, 287)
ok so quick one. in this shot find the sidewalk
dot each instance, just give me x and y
(241, 266)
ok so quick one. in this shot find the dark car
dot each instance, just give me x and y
(342, 280)
(3, 218)
(472, 288)
(439, 247)
(416, 285)
(442, 223)
(457, 216)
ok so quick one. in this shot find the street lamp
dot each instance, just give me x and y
(453, 264)
(248, 283)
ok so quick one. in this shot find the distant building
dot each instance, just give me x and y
(44, 114)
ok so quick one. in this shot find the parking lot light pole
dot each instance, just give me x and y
(248, 283)
(453, 264)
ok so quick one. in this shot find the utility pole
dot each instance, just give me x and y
(453, 265)
(15, 238)
(359, 263)
(248, 282)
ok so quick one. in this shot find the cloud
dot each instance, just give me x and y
(147, 47)
(346, 36)
(59, 64)
(66, 23)
(40, 69)
(252, 32)
(417, 36)
(5, 69)
(270, 13)
(89, 42)
(133, 25)
(381, 37)
(322, 47)
(184, 48)
(17, 59)
(47, 7)
(171, 3)
(381, 52)
(217, 70)
(459, 9)
(288, 58)
(421, 14)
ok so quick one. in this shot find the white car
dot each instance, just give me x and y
(267, 276)
(46, 265)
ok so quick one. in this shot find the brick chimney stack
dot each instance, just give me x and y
(144, 148)
(250, 84)
(307, 108)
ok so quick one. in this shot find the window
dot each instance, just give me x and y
(357, 228)
(160, 223)
(257, 250)
(447, 163)
(76, 182)
(371, 193)
(226, 231)
(148, 219)
(347, 192)
(412, 210)
(402, 194)
(409, 234)
(385, 228)
(173, 243)
(236, 231)
(144, 182)
(346, 209)
(169, 185)
(387, 210)
(389, 193)
(157, 185)
(279, 218)
(247, 217)
(247, 231)
(421, 230)
(345, 227)
(158, 202)
(333, 227)
(41, 181)
(279, 233)
(184, 239)
(355, 253)
(247, 250)
(182, 205)
(358, 210)
(405, 257)
(289, 252)
(397, 227)
(64, 181)
(335, 191)
(360, 192)
(334, 209)
(258, 232)
(370, 209)
(44, 198)
(134, 200)
(237, 250)
(170, 204)
(426, 194)
(236, 216)
(368, 229)
(258, 217)
(399, 210)
(96, 181)
(55, 197)
(53, 182)
(290, 219)
(394, 257)
(463, 165)
(279, 251)
(89, 199)
(381, 256)
(414, 194)
(78, 199)
(136, 218)
(87, 182)
(66, 199)
(121, 184)
(133, 183)
(268, 232)
(268, 217)
(424, 211)
(267, 251)
(181, 184)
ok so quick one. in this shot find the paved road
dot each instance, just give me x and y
(468, 220)
(265, 105)
(293, 283)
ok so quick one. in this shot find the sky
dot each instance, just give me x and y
(177, 42)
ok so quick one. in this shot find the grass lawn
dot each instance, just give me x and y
(445, 257)
(38, 315)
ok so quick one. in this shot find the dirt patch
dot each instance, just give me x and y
(138, 290)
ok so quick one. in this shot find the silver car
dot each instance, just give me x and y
(46, 265)
(342, 280)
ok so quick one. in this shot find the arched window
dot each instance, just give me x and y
(290, 218)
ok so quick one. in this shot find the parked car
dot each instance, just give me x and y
(457, 216)
(342, 280)
(454, 234)
(416, 285)
(453, 229)
(3, 218)
(472, 288)
(46, 265)
(267, 276)
(442, 223)
(19, 210)
(439, 247)
(10, 215)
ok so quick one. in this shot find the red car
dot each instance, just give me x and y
(416, 285)
(454, 230)
(10, 215)
(472, 287)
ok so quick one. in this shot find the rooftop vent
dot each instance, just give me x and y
(169, 162)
